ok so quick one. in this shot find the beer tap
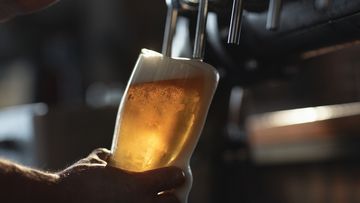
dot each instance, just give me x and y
(170, 26)
(235, 23)
(174, 6)
(273, 17)
(199, 45)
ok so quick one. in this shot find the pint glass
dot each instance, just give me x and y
(162, 114)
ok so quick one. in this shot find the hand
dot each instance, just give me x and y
(11, 8)
(91, 180)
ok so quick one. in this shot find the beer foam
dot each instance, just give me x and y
(153, 66)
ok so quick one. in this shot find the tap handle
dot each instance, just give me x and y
(171, 20)
(236, 22)
(273, 18)
(199, 45)
(170, 26)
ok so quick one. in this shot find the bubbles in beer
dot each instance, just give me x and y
(157, 121)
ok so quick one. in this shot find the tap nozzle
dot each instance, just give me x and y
(273, 18)
(236, 22)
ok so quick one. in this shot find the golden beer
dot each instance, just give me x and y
(157, 122)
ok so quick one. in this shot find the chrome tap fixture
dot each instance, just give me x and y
(170, 26)
(273, 18)
(235, 23)
(174, 6)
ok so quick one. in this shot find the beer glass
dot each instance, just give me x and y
(165, 104)
(162, 114)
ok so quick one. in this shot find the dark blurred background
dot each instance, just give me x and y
(61, 65)
(284, 124)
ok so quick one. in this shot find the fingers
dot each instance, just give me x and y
(98, 156)
(167, 198)
(162, 179)
(102, 153)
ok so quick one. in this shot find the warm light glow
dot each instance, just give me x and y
(298, 116)
(157, 147)
(157, 122)
(305, 115)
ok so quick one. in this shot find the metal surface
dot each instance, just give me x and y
(273, 18)
(200, 30)
(191, 1)
(302, 28)
(235, 23)
(171, 19)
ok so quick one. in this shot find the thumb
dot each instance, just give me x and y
(102, 153)
(98, 156)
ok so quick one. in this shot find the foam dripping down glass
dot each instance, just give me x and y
(162, 114)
